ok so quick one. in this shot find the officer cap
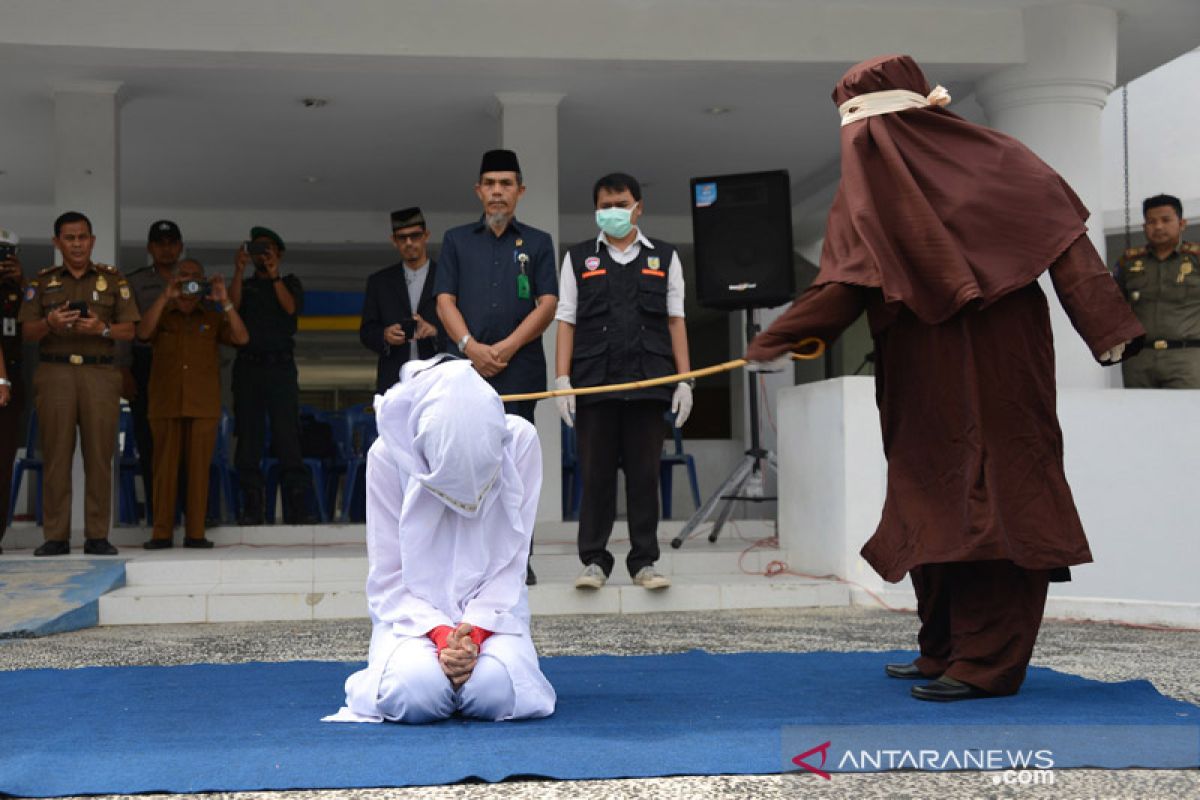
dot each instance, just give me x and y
(163, 229)
(259, 232)
(499, 161)
(407, 217)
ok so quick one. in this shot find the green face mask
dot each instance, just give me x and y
(615, 222)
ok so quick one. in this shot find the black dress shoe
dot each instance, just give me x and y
(530, 578)
(53, 549)
(158, 544)
(946, 689)
(201, 543)
(99, 547)
(907, 671)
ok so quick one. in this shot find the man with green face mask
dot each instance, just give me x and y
(620, 319)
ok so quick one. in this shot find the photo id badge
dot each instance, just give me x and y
(10, 326)
(523, 287)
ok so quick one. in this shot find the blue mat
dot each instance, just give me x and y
(255, 726)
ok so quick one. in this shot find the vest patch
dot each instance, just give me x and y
(591, 263)
(658, 273)
(594, 273)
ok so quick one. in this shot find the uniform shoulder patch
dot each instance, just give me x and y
(1189, 247)
(48, 270)
(1132, 252)
(111, 270)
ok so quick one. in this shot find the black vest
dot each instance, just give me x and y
(621, 330)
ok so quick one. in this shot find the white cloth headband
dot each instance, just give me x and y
(873, 104)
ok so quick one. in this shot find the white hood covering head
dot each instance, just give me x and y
(452, 502)
(455, 431)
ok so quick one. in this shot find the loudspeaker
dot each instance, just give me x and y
(742, 230)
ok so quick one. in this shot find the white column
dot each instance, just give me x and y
(529, 127)
(87, 159)
(1052, 103)
(87, 179)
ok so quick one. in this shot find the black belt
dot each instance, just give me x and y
(277, 357)
(1173, 344)
(76, 360)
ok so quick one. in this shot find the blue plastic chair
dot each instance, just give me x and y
(129, 467)
(222, 477)
(666, 467)
(316, 472)
(335, 468)
(572, 477)
(30, 462)
(361, 433)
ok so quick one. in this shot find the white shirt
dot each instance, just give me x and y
(568, 292)
(414, 280)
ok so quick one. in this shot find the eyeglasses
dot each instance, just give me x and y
(408, 237)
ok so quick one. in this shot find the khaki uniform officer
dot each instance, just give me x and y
(185, 393)
(76, 382)
(1161, 281)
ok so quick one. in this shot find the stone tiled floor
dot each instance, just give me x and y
(1104, 652)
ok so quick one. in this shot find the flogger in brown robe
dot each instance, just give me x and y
(939, 231)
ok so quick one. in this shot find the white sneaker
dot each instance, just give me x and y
(649, 578)
(592, 577)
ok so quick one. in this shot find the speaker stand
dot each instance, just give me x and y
(746, 481)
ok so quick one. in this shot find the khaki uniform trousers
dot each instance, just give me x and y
(87, 396)
(189, 440)
(1163, 369)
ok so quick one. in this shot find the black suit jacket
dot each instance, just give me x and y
(386, 303)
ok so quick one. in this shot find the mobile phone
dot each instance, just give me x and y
(258, 248)
(79, 305)
(409, 326)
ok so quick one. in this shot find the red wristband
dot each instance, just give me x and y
(440, 636)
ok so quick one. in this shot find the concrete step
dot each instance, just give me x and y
(290, 563)
(342, 599)
(28, 535)
(296, 573)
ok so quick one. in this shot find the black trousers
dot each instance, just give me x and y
(262, 391)
(521, 408)
(625, 434)
(140, 407)
(979, 621)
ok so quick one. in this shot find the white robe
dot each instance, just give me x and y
(452, 493)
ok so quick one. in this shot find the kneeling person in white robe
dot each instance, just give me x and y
(452, 492)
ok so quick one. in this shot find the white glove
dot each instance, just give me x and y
(681, 404)
(566, 405)
(774, 365)
(1114, 355)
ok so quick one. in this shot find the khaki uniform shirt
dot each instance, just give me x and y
(1165, 295)
(185, 374)
(104, 290)
(146, 286)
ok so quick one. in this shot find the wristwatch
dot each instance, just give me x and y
(462, 343)
(227, 307)
(5, 382)
(107, 332)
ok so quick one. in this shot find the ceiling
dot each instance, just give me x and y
(226, 128)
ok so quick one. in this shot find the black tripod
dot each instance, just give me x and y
(749, 470)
